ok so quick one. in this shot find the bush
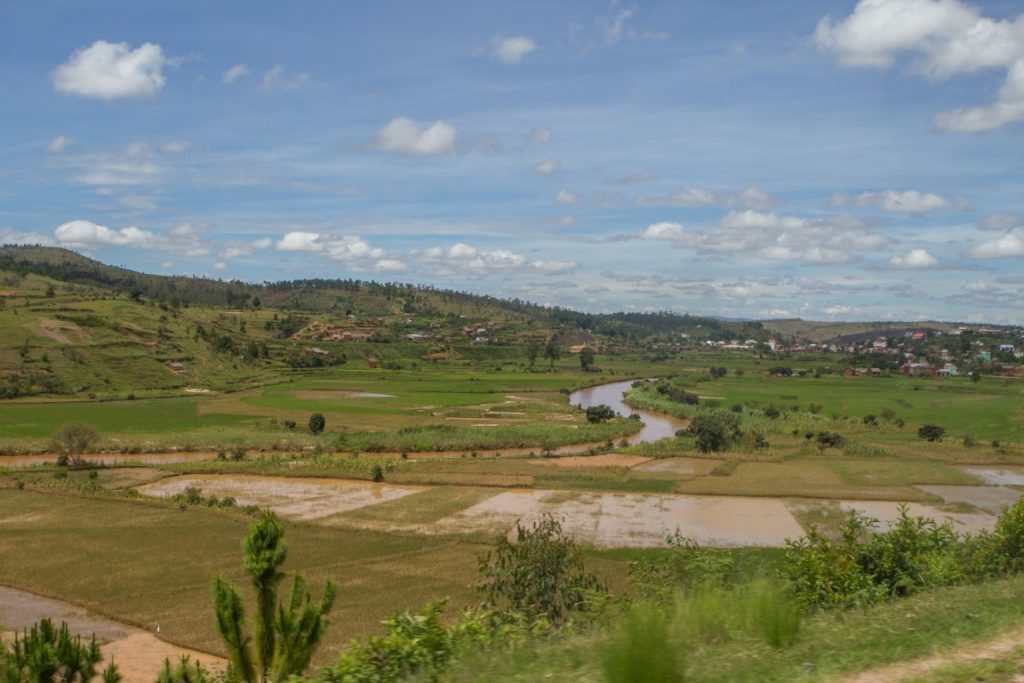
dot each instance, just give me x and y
(541, 572)
(931, 432)
(599, 413)
(712, 429)
(71, 440)
(317, 423)
(773, 612)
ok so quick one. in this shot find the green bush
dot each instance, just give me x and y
(773, 612)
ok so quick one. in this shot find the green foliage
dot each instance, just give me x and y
(185, 671)
(71, 440)
(586, 358)
(686, 565)
(541, 572)
(285, 635)
(599, 413)
(773, 612)
(713, 428)
(45, 654)
(641, 649)
(317, 423)
(930, 432)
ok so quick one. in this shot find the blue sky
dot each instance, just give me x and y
(827, 160)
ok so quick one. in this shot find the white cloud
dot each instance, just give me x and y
(664, 231)
(110, 71)
(1006, 246)
(915, 258)
(539, 135)
(461, 258)
(81, 233)
(220, 265)
(564, 196)
(349, 248)
(751, 198)
(389, 266)
(275, 79)
(948, 38)
(512, 49)
(299, 240)
(547, 168)
(234, 73)
(12, 236)
(404, 136)
(830, 240)
(59, 144)
(895, 201)
(837, 309)
(174, 146)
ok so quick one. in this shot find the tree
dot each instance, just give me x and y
(931, 432)
(552, 352)
(71, 440)
(712, 429)
(599, 413)
(532, 351)
(586, 358)
(285, 636)
(185, 672)
(46, 653)
(540, 572)
(317, 423)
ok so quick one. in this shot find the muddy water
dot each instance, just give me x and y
(655, 427)
(294, 498)
(139, 654)
(997, 476)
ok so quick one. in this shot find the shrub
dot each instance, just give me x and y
(712, 429)
(599, 413)
(71, 440)
(541, 572)
(931, 432)
(317, 423)
(773, 612)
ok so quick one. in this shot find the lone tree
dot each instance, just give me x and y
(317, 423)
(931, 432)
(713, 429)
(285, 635)
(552, 352)
(541, 572)
(70, 441)
(532, 351)
(599, 413)
(586, 358)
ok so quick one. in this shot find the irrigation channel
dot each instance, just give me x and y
(656, 426)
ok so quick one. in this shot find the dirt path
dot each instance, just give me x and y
(997, 648)
(139, 654)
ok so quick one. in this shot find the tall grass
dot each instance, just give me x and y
(642, 650)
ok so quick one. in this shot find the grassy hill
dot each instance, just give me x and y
(70, 325)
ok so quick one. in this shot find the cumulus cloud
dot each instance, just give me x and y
(11, 236)
(462, 258)
(82, 233)
(947, 38)
(388, 265)
(749, 198)
(915, 258)
(299, 240)
(234, 73)
(770, 236)
(895, 201)
(547, 168)
(564, 196)
(539, 135)
(110, 71)
(59, 144)
(404, 136)
(1006, 246)
(512, 49)
(276, 79)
